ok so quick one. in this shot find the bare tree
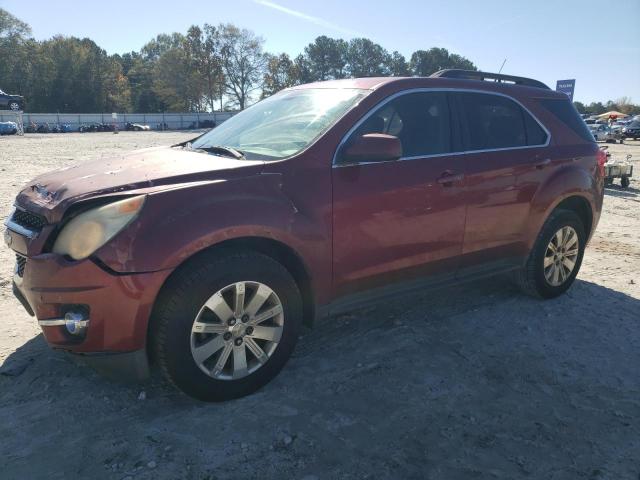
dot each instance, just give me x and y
(624, 105)
(12, 26)
(243, 62)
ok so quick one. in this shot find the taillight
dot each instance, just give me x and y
(602, 159)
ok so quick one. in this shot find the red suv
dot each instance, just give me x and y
(206, 257)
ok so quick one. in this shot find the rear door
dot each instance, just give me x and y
(504, 167)
(400, 219)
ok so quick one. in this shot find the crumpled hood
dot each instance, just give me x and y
(51, 194)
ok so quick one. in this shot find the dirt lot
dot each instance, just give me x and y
(476, 382)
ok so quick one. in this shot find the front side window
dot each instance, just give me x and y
(284, 124)
(420, 120)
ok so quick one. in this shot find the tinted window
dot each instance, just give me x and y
(419, 120)
(567, 114)
(535, 134)
(493, 122)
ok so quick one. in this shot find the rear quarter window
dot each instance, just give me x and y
(564, 111)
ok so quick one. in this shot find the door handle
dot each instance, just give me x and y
(544, 163)
(447, 179)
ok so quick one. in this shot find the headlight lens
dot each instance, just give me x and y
(90, 230)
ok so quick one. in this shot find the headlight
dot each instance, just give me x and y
(90, 230)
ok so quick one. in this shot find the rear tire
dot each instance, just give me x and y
(14, 106)
(178, 317)
(624, 182)
(536, 278)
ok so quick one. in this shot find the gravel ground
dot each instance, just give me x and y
(473, 382)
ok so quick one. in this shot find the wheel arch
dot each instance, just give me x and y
(572, 187)
(277, 250)
(581, 206)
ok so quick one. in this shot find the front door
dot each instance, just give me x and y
(401, 219)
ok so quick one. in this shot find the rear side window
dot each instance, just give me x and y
(492, 122)
(567, 114)
(420, 120)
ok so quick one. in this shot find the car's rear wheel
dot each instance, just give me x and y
(14, 106)
(226, 325)
(556, 257)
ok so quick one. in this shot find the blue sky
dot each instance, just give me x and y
(593, 41)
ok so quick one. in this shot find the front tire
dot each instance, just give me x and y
(556, 257)
(225, 324)
(14, 106)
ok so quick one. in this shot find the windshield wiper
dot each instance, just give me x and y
(226, 151)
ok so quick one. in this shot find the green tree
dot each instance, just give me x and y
(425, 62)
(595, 108)
(398, 66)
(150, 92)
(579, 107)
(139, 72)
(203, 48)
(281, 72)
(154, 49)
(303, 69)
(170, 82)
(326, 58)
(366, 59)
(15, 49)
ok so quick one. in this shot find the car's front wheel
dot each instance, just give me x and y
(14, 106)
(225, 325)
(556, 257)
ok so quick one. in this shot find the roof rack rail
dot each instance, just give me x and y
(496, 77)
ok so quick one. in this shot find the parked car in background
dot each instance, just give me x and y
(11, 102)
(207, 257)
(604, 133)
(600, 132)
(631, 130)
(8, 128)
(136, 127)
(96, 127)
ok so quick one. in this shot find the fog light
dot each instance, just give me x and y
(75, 323)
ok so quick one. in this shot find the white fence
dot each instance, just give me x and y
(172, 121)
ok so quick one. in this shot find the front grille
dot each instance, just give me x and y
(21, 262)
(28, 220)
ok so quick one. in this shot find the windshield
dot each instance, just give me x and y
(284, 124)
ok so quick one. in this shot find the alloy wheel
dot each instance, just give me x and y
(237, 330)
(14, 106)
(561, 256)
